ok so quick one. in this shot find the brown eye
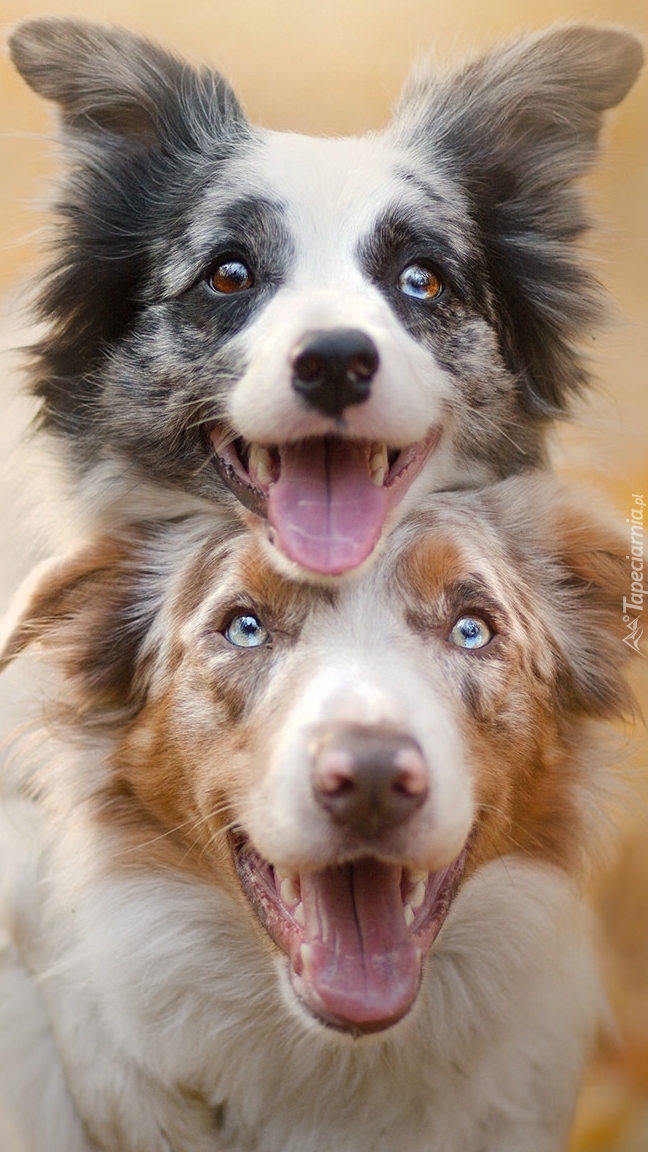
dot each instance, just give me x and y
(420, 282)
(231, 276)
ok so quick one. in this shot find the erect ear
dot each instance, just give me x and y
(530, 102)
(90, 611)
(109, 80)
(516, 127)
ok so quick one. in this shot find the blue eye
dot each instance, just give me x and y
(246, 631)
(470, 632)
(420, 282)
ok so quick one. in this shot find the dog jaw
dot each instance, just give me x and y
(355, 934)
(326, 501)
(354, 896)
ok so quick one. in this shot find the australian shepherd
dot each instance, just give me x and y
(315, 332)
(295, 867)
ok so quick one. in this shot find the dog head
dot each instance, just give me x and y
(316, 331)
(340, 760)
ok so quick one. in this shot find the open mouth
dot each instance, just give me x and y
(355, 934)
(326, 499)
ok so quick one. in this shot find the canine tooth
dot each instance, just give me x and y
(299, 915)
(260, 464)
(306, 953)
(288, 891)
(415, 878)
(408, 913)
(416, 895)
(378, 464)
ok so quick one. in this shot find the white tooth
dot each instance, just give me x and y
(408, 913)
(416, 895)
(260, 464)
(306, 953)
(299, 915)
(288, 890)
(378, 464)
(414, 878)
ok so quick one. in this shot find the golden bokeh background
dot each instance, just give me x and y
(335, 66)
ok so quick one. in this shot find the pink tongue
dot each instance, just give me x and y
(327, 513)
(362, 967)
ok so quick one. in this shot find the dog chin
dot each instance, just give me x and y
(325, 501)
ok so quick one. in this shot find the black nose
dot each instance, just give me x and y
(333, 369)
(369, 779)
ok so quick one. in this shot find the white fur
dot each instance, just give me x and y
(150, 996)
(139, 1002)
(334, 191)
(362, 676)
(135, 1002)
(143, 1011)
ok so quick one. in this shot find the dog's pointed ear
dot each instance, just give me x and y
(110, 81)
(535, 101)
(89, 612)
(515, 128)
(38, 604)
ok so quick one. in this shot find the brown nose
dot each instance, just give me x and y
(369, 779)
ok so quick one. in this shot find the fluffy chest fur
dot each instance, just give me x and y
(172, 1029)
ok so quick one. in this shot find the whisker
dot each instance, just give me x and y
(498, 428)
(192, 823)
(228, 437)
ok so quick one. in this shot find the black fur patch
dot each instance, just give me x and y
(136, 361)
(486, 414)
(515, 129)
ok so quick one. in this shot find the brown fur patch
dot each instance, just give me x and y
(195, 718)
(90, 609)
(560, 576)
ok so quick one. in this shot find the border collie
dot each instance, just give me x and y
(314, 331)
(294, 867)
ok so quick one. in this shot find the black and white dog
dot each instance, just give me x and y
(313, 331)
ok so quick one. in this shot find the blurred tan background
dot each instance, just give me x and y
(336, 66)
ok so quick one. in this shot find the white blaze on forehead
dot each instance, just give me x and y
(331, 195)
(333, 190)
(361, 667)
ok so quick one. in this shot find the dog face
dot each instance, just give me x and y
(315, 331)
(340, 760)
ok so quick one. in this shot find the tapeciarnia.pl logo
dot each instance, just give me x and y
(634, 603)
